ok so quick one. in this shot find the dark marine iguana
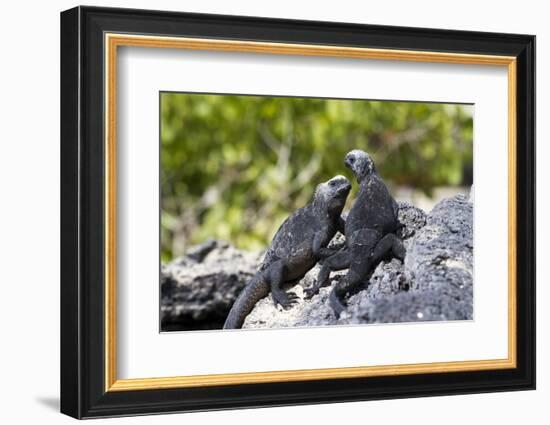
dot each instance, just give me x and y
(370, 233)
(297, 246)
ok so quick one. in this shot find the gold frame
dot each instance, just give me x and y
(113, 41)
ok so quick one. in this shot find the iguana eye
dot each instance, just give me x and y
(332, 183)
(351, 160)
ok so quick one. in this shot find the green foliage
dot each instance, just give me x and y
(233, 167)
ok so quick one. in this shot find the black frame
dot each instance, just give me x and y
(82, 217)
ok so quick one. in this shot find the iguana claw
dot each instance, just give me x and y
(311, 291)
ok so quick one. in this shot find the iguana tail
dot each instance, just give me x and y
(253, 292)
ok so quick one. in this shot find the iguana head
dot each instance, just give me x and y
(333, 193)
(360, 163)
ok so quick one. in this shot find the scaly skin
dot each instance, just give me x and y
(298, 245)
(370, 233)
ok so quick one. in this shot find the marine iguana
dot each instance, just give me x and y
(297, 246)
(370, 233)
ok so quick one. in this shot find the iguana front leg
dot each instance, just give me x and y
(275, 275)
(325, 253)
(329, 252)
(389, 246)
(353, 280)
(319, 248)
(362, 246)
(338, 261)
(318, 245)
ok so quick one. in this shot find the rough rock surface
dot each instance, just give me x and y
(435, 282)
(198, 290)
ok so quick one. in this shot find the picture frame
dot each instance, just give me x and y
(90, 40)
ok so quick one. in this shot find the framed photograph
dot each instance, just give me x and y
(261, 212)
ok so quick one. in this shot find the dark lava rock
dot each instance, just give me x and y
(440, 258)
(411, 218)
(198, 290)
